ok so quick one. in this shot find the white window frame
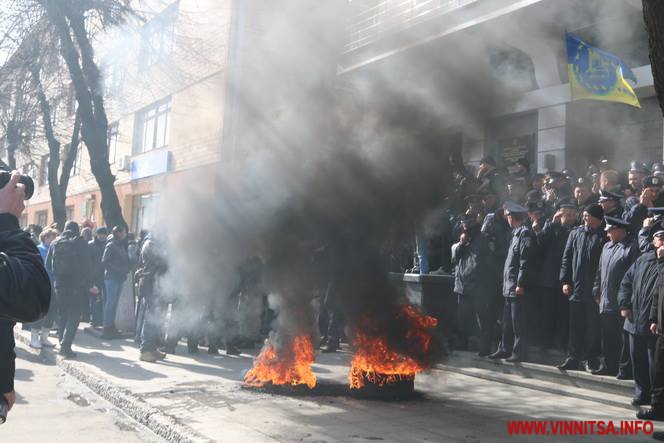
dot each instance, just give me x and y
(153, 127)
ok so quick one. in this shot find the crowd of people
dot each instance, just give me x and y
(572, 262)
(89, 270)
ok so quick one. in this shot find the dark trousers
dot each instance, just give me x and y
(512, 340)
(584, 330)
(154, 316)
(611, 331)
(625, 362)
(97, 306)
(479, 320)
(643, 364)
(70, 317)
(487, 323)
(658, 378)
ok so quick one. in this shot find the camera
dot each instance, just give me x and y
(5, 175)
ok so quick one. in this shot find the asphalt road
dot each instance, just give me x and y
(53, 407)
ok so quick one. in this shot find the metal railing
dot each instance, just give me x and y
(386, 16)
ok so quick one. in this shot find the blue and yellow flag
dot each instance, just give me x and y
(598, 75)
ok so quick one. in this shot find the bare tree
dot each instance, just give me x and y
(653, 13)
(74, 22)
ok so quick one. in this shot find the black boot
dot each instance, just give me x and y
(654, 414)
(569, 364)
(498, 355)
(231, 349)
(331, 346)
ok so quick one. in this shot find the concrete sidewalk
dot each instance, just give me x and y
(201, 398)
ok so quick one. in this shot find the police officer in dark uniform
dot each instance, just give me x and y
(611, 203)
(475, 278)
(551, 242)
(656, 321)
(636, 207)
(577, 275)
(517, 279)
(617, 256)
(635, 301)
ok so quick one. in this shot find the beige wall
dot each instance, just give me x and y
(193, 75)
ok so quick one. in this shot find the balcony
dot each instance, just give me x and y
(379, 18)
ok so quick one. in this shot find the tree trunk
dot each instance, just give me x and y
(13, 141)
(94, 124)
(58, 196)
(653, 13)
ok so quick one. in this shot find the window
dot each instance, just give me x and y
(113, 133)
(76, 167)
(152, 127)
(43, 170)
(158, 37)
(113, 77)
(144, 214)
(41, 218)
(69, 212)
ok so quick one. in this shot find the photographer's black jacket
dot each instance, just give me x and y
(25, 291)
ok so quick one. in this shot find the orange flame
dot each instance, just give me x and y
(291, 367)
(376, 363)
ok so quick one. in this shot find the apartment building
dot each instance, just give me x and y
(523, 40)
(165, 85)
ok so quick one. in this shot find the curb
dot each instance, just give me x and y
(154, 419)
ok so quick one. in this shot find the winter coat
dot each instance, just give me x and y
(81, 279)
(614, 262)
(551, 242)
(115, 261)
(637, 291)
(475, 271)
(657, 308)
(25, 291)
(580, 262)
(499, 234)
(517, 270)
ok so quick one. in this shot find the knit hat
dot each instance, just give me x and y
(595, 210)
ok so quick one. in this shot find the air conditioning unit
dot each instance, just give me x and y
(124, 163)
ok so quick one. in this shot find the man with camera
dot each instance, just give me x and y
(25, 290)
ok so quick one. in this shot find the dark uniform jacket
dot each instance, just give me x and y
(499, 234)
(475, 271)
(517, 271)
(636, 293)
(613, 264)
(551, 241)
(580, 262)
(116, 261)
(657, 308)
(25, 291)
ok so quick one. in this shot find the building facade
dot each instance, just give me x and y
(165, 86)
(523, 42)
